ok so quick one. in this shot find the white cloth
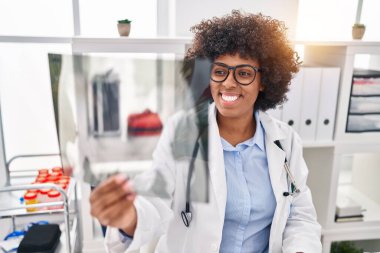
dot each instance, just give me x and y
(294, 226)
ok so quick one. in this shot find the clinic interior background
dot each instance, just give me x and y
(27, 109)
(25, 89)
(25, 93)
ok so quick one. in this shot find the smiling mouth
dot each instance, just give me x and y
(229, 98)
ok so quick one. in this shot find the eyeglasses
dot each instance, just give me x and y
(244, 74)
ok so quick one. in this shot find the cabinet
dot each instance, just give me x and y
(66, 216)
(350, 165)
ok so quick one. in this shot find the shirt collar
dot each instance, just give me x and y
(257, 139)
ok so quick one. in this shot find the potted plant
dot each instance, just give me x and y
(344, 247)
(358, 31)
(124, 27)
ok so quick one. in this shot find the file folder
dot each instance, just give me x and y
(310, 100)
(291, 113)
(327, 104)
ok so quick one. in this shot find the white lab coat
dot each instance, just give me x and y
(294, 226)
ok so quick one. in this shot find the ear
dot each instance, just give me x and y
(261, 88)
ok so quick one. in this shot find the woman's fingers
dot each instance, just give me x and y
(110, 197)
(109, 185)
(120, 215)
(112, 202)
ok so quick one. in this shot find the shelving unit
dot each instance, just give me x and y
(13, 209)
(325, 163)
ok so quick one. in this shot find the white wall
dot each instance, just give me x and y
(332, 20)
(189, 13)
(36, 17)
(26, 100)
(99, 18)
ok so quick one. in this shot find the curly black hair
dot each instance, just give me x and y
(252, 36)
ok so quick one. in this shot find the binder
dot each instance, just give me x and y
(291, 113)
(327, 104)
(310, 99)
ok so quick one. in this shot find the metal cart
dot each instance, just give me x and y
(14, 209)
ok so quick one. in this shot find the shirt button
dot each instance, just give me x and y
(214, 247)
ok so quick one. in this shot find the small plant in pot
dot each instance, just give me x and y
(124, 27)
(358, 31)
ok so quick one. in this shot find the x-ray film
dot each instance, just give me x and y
(142, 115)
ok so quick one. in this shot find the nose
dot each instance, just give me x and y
(230, 82)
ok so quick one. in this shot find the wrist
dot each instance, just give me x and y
(129, 230)
(121, 231)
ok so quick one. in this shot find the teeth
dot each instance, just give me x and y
(229, 98)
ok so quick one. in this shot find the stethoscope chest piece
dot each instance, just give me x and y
(186, 217)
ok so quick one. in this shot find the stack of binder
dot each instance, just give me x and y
(312, 102)
(347, 209)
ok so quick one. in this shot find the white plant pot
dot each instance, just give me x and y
(124, 29)
(358, 32)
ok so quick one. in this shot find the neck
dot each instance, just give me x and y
(236, 130)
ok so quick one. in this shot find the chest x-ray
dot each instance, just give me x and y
(142, 115)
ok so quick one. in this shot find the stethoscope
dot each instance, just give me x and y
(187, 214)
(294, 190)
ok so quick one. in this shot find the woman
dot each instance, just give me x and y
(251, 207)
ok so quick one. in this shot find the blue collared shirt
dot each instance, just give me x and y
(250, 199)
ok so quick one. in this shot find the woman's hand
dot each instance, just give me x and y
(112, 204)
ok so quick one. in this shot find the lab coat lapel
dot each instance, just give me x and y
(216, 164)
(276, 158)
(275, 155)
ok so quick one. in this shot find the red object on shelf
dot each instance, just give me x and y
(30, 195)
(41, 180)
(55, 176)
(146, 123)
(63, 181)
(43, 171)
(63, 186)
(57, 169)
(54, 196)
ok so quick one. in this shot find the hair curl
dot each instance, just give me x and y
(252, 36)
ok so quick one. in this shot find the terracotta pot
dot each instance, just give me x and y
(358, 32)
(124, 29)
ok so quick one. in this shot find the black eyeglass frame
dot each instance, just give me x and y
(256, 69)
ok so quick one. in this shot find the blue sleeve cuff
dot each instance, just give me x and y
(126, 237)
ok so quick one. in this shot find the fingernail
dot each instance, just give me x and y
(127, 187)
(131, 197)
(120, 178)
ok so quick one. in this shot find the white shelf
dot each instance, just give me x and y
(372, 213)
(338, 43)
(129, 45)
(319, 144)
(11, 206)
(361, 146)
(34, 39)
(100, 40)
